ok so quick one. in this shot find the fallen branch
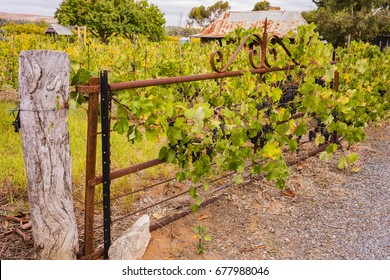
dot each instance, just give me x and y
(22, 234)
(26, 226)
(167, 220)
(6, 233)
(10, 218)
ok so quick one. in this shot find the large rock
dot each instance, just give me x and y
(133, 243)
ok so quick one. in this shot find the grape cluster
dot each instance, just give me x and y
(194, 155)
(288, 95)
(321, 128)
(335, 115)
(261, 137)
(290, 91)
(320, 82)
(186, 94)
(312, 135)
(261, 106)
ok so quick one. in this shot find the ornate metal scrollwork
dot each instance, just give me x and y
(261, 43)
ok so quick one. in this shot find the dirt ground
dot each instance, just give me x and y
(326, 214)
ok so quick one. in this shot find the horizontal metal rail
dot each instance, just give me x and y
(181, 79)
(126, 171)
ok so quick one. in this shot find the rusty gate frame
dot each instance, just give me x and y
(101, 86)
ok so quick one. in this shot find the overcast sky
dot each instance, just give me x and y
(175, 11)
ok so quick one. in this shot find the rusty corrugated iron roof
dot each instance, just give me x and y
(279, 23)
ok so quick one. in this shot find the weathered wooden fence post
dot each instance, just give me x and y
(44, 94)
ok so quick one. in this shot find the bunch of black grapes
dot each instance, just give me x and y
(194, 155)
(265, 105)
(382, 92)
(322, 83)
(320, 128)
(290, 91)
(261, 137)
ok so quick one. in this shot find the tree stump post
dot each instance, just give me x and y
(44, 95)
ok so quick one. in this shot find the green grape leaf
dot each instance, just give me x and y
(272, 151)
(352, 158)
(198, 200)
(311, 103)
(362, 65)
(151, 134)
(207, 237)
(275, 94)
(301, 129)
(280, 184)
(192, 192)
(121, 125)
(326, 156)
(82, 77)
(74, 66)
(163, 153)
(320, 139)
(343, 163)
(292, 145)
(171, 155)
(329, 74)
(238, 179)
(331, 148)
(180, 176)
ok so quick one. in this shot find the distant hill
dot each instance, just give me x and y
(27, 17)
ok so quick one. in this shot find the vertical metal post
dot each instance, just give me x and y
(90, 173)
(336, 74)
(335, 136)
(336, 81)
(105, 102)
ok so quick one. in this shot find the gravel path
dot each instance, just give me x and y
(354, 223)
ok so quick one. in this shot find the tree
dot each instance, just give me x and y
(217, 9)
(338, 5)
(262, 6)
(204, 16)
(12, 27)
(309, 16)
(181, 31)
(340, 20)
(141, 18)
(198, 15)
(107, 18)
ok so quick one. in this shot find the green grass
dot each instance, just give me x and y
(13, 181)
(13, 175)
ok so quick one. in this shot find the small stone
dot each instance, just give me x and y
(133, 243)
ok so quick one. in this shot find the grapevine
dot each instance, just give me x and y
(231, 122)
